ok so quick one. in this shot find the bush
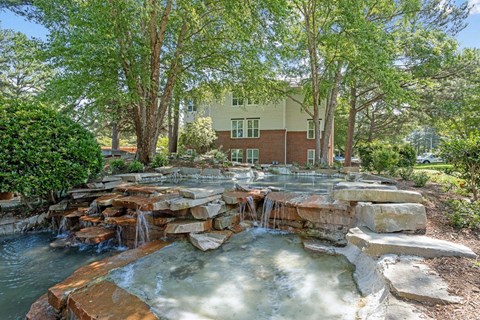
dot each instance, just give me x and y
(464, 214)
(405, 173)
(198, 135)
(160, 160)
(218, 155)
(464, 153)
(43, 152)
(420, 179)
(384, 159)
(135, 166)
(407, 155)
(118, 165)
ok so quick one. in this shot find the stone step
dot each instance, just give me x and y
(106, 300)
(377, 195)
(188, 226)
(76, 213)
(377, 244)
(94, 235)
(392, 217)
(57, 295)
(91, 219)
(113, 212)
(209, 241)
(363, 185)
(107, 199)
(147, 191)
(411, 279)
(208, 211)
(200, 193)
(154, 203)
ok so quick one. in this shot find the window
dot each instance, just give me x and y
(253, 128)
(237, 128)
(237, 101)
(236, 155)
(252, 156)
(311, 156)
(310, 129)
(191, 107)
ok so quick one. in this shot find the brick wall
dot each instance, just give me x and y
(271, 145)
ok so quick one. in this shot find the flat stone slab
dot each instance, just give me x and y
(234, 197)
(105, 300)
(400, 310)
(377, 195)
(375, 244)
(113, 212)
(363, 185)
(200, 193)
(107, 200)
(226, 221)
(41, 310)
(210, 240)
(141, 177)
(147, 191)
(185, 203)
(76, 213)
(121, 221)
(57, 295)
(414, 280)
(188, 226)
(153, 203)
(207, 211)
(392, 217)
(94, 235)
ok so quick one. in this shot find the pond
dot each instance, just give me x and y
(258, 274)
(29, 266)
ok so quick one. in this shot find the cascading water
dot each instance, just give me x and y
(247, 209)
(142, 232)
(62, 228)
(93, 209)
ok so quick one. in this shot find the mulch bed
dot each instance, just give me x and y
(461, 274)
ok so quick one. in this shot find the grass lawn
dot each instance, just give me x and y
(433, 166)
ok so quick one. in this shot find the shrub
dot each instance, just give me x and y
(384, 159)
(218, 155)
(198, 135)
(407, 155)
(464, 214)
(160, 160)
(118, 165)
(43, 152)
(405, 173)
(464, 153)
(135, 166)
(420, 179)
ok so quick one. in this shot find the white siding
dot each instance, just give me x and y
(296, 117)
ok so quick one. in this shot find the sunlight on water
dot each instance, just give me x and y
(258, 274)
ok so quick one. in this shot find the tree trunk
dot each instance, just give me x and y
(115, 136)
(352, 114)
(173, 138)
(329, 114)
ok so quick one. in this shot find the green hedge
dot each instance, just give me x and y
(43, 151)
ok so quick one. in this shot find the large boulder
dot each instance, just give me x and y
(209, 241)
(392, 217)
(377, 195)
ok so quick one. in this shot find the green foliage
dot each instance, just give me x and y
(405, 173)
(464, 214)
(43, 151)
(218, 155)
(118, 165)
(160, 160)
(384, 159)
(407, 154)
(198, 135)
(464, 153)
(135, 166)
(420, 179)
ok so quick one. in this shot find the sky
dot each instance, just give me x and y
(467, 38)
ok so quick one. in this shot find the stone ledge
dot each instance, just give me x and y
(377, 195)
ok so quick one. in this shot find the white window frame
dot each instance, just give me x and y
(236, 155)
(237, 101)
(311, 129)
(311, 156)
(191, 106)
(254, 131)
(250, 156)
(239, 132)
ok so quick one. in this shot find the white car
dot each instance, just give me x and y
(429, 158)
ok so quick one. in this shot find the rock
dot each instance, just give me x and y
(141, 177)
(226, 221)
(112, 184)
(234, 197)
(362, 185)
(317, 209)
(209, 172)
(113, 212)
(42, 310)
(185, 171)
(207, 211)
(158, 221)
(57, 295)
(167, 170)
(146, 191)
(326, 172)
(94, 235)
(411, 279)
(107, 179)
(184, 203)
(121, 221)
(76, 213)
(400, 310)
(105, 300)
(61, 243)
(375, 244)
(188, 226)
(95, 185)
(392, 217)
(91, 219)
(376, 195)
(240, 173)
(200, 193)
(154, 203)
(61, 206)
(209, 241)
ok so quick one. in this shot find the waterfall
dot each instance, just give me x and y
(249, 204)
(119, 236)
(142, 229)
(270, 206)
(62, 228)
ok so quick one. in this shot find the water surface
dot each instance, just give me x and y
(258, 274)
(29, 266)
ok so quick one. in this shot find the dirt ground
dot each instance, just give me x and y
(461, 274)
